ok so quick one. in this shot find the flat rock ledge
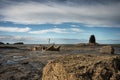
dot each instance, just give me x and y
(83, 67)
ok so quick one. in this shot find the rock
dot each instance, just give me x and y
(107, 50)
(24, 62)
(8, 47)
(83, 67)
(92, 39)
(33, 49)
(19, 43)
(7, 43)
(36, 48)
(44, 48)
(91, 44)
(52, 48)
(1, 43)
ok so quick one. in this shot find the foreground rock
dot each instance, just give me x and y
(83, 67)
(107, 50)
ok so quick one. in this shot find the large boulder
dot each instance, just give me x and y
(107, 50)
(83, 67)
(92, 39)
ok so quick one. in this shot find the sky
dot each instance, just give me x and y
(63, 21)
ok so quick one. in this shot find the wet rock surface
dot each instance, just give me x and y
(83, 67)
(107, 50)
(20, 68)
(22, 64)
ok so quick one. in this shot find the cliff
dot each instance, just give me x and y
(83, 67)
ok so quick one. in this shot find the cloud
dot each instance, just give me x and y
(53, 30)
(57, 30)
(74, 26)
(14, 38)
(37, 40)
(14, 29)
(101, 15)
(70, 2)
(76, 29)
(25, 39)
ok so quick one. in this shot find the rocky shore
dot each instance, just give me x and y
(17, 62)
(83, 67)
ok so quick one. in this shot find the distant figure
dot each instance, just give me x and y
(92, 39)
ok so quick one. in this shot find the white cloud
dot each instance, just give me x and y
(53, 30)
(57, 30)
(14, 38)
(25, 39)
(76, 29)
(14, 29)
(37, 40)
(37, 13)
(74, 26)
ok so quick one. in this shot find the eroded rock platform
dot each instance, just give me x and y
(83, 67)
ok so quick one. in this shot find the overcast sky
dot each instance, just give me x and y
(64, 21)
